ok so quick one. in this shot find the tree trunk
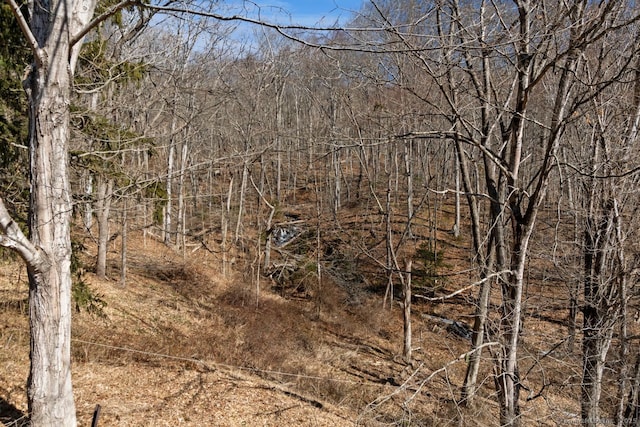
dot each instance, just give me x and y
(88, 208)
(408, 169)
(48, 88)
(123, 245)
(51, 33)
(508, 376)
(103, 206)
(574, 289)
(278, 139)
(182, 226)
(456, 224)
(335, 158)
(407, 313)
(600, 312)
(389, 246)
(225, 218)
(243, 189)
(168, 209)
(479, 327)
(598, 323)
(623, 310)
(49, 386)
(632, 410)
(469, 386)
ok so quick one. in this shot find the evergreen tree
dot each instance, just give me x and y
(14, 57)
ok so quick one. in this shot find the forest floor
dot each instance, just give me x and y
(181, 343)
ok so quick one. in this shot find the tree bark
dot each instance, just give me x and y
(123, 245)
(406, 352)
(408, 170)
(168, 209)
(50, 396)
(103, 206)
(632, 409)
(88, 207)
(54, 32)
(182, 226)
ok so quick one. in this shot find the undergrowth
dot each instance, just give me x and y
(83, 296)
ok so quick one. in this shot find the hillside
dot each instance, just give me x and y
(241, 211)
(181, 344)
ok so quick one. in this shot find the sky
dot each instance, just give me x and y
(310, 12)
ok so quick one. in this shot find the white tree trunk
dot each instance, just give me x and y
(103, 208)
(168, 210)
(243, 189)
(53, 32)
(88, 208)
(182, 227)
(50, 394)
(123, 245)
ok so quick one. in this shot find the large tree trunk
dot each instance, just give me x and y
(49, 386)
(507, 375)
(599, 315)
(486, 265)
(48, 87)
(47, 254)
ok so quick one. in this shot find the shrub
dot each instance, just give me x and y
(83, 296)
(428, 262)
(86, 299)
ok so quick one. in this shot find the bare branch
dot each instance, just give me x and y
(28, 34)
(459, 291)
(283, 30)
(101, 18)
(12, 236)
(452, 134)
(606, 176)
(382, 399)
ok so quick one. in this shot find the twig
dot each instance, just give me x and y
(453, 294)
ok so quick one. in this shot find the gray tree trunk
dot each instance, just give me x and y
(54, 32)
(50, 395)
(406, 352)
(103, 208)
(123, 245)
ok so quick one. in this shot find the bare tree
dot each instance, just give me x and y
(609, 206)
(469, 63)
(54, 32)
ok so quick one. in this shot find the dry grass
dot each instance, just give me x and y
(183, 345)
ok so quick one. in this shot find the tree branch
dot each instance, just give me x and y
(497, 160)
(101, 18)
(12, 237)
(459, 291)
(282, 30)
(28, 34)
